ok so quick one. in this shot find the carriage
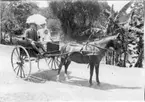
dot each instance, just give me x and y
(24, 54)
(91, 53)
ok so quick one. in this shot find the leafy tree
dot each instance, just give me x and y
(17, 12)
(7, 18)
(115, 26)
(14, 15)
(76, 17)
(137, 22)
(22, 11)
(133, 35)
(54, 25)
(131, 31)
(47, 12)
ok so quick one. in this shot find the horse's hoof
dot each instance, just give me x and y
(90, 85)
(67, 78)
(98, 83)
(57, 80)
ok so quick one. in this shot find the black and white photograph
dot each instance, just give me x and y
(72, 50)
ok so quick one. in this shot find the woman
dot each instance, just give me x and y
(45, 35)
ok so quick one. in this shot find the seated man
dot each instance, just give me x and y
(32, 37)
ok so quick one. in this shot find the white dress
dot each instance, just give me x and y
(45, 36)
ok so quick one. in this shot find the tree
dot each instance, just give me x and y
(137, 22)
(22, 11)
(114, 26)
(7, 18)
(54, 25)
(14, 15)
(47, 12)
(76, 17)
(132, 33)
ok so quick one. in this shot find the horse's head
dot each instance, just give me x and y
(108, 42)
(114, 42)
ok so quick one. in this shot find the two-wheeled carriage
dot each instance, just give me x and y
(23, 54)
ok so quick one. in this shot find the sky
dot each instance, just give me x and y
(117, 4)
(42, 3)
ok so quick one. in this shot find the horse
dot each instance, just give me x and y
(90, 53)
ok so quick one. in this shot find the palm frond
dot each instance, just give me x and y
(123, 10)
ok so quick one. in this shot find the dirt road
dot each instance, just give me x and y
(117, 84)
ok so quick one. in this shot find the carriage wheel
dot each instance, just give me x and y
(53, 62)
(20, 61)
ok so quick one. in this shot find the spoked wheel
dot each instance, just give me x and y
(53, 62)
(20, 61)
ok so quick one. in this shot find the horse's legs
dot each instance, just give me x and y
(97, 73)
(91, 72)
(66, 67)
(62, 61)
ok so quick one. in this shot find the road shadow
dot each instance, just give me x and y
(103, 86)
(50, 75)
(45, 75)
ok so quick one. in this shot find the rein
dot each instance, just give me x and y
(101, 47)
(96, 47)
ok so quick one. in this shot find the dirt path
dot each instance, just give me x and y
(117, 84)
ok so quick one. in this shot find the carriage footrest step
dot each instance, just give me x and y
(33, 59)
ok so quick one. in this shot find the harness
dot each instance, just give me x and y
(95, 47)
